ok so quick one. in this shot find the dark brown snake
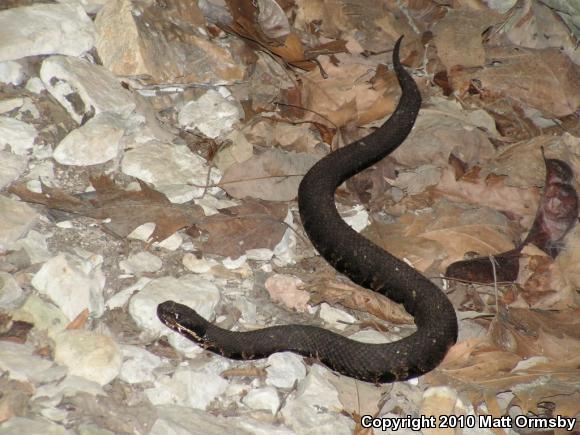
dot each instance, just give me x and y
(359, 259)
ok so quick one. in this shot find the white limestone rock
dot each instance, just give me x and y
(285, 369)
(95, 142)
(138, 365)
(212, 114)
(42, 314)
(140, 263)
(169, 168)
(10, 291)
(93, 356)
(45, 28)
(73, 283)
(17, 135)
(315, 406)
(22, 364)
(81, 87)
(32, 426)
(193, 388)
(339, 319)
(17, 219)
(263, 398)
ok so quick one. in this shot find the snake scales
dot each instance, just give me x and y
(359, 259)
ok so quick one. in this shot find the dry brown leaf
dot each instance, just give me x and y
(552, 334)
(359, 298)
(444, 235)
(482, 371)
(252, 225)
(250, 372)
(274, 175)
(458, 36)
(491, 191)
(126, 209)
(80, 320)
(291, 137)
(346, 96)
(534, 24)
(444, 128)
(291, 50)
(524, 164)
(546, 80)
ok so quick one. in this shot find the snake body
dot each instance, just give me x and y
(363, 262)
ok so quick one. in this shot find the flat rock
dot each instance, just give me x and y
(17, 135)
(95, 142)
(138, 365)
(213, 114)
(140, 263)
(73, 283)
(193, 388)
(177, 53)
(313, 393)
(82, 87)
(10, 291)
(61, 28)
(17, 219)
(21, 363)
(265, 398)
(170, 168)
(32, 426)
(285, 369)
(93, 356)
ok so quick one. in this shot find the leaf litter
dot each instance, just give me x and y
(480, 195)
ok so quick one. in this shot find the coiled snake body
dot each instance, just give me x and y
(359, 259)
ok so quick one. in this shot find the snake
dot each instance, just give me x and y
(356, 257)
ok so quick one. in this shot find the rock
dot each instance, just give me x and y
(87, 354)
(192, 388)
(70, 386)
(179, 53)
(82, 87)
(10, 291)
(285, 369)
(60, 28)
(336, 318)
(18, 135)
(42, 314)
(315, 407)
(29, 426)
(97, 141)
(213, 114)
(263, 398)
(170, 169)
(21, 364)
(11, 72)
(138, 365)
(17, 219)
(198, 265)
(73, 283)
(375, 337)
(140, 263)
(35, 245)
